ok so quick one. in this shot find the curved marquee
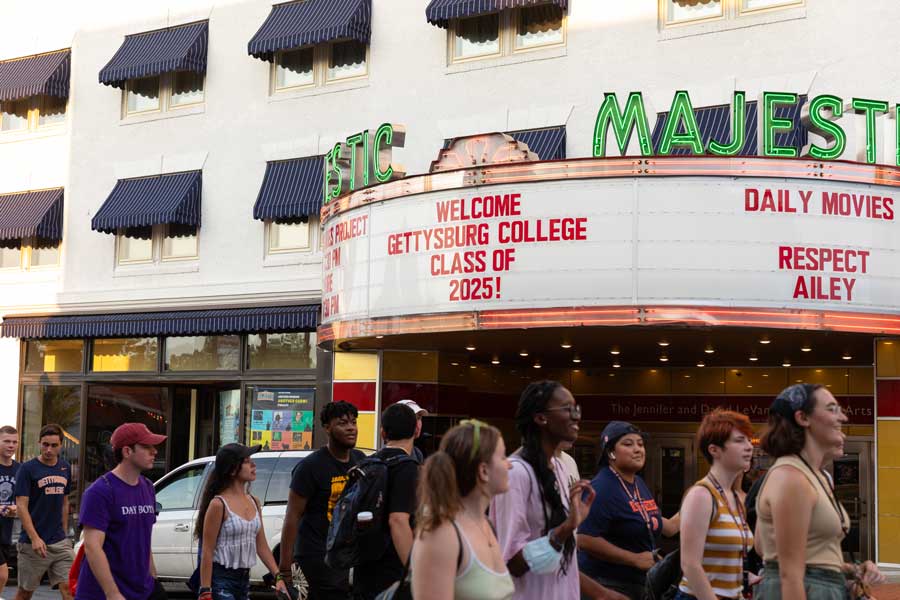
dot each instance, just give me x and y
(765, 242)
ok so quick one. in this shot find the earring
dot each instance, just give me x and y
(612, 456)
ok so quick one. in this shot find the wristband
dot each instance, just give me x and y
(205, 596)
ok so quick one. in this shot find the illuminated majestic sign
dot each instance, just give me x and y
(821, 116)
(364, 159)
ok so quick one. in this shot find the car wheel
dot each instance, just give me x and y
(300, 583)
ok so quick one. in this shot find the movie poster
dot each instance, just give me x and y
(282, 418)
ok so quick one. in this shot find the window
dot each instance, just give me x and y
(159, 243)
(314, 66)
(162, 93)
(507, 32)
(29, 253)
(280, 483)
(264, 468)
(287, 237)
(679, 12)
(282, 350)
(124, 354)
(180, 491)
(32, 113)
(203, 353)
(53, 356)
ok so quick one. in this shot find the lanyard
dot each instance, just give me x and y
(636, 499)
(740, 519)
(829, 492)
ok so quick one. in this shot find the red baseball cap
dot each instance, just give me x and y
(129, 434)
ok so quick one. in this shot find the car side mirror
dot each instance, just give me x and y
(158, 508)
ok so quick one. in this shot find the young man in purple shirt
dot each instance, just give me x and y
(118, 512)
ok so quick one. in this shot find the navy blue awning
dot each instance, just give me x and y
(548, 143)
(147, 201)
(43, 74)
(181, 48)
(439, 12)
(714, 122)
(308, 22)
(291, 190)
(303, 317)
(32, 214)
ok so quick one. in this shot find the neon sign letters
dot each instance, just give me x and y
(364, 159)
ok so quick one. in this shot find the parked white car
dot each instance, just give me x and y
(178, 493)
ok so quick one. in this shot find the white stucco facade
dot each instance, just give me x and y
(823, 46)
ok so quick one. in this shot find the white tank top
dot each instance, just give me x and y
(236, 546)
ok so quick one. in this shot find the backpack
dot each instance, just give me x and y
(348, 545)
(662, 579)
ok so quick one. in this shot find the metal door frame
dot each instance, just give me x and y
(652, 466)
(864, 446)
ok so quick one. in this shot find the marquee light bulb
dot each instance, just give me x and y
(615, 351)
(523, 353)
(709, 350)
(470, 347)
(663, 358)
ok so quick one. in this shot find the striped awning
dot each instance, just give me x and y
(714, 122)
(32, 214)
(146, 201)
(439, 12)
(304, 317)
(308, 22)
(181, 48)
(43, 74)
(548, 143)
(291, 190)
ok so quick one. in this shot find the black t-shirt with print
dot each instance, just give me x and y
(320, 478)
(403, 476)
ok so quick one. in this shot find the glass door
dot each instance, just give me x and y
(853, 488)
(669, 471)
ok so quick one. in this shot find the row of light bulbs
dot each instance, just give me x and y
(615, 351)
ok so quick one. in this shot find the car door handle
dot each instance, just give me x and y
(182, 527)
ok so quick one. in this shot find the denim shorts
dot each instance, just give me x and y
(230, 584)
(820, 584)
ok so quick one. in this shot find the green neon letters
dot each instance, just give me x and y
(820, 125)
(738, 129)
(623, 122)
(869, 108)
(681, 112)
(772, 124)
(350, 165)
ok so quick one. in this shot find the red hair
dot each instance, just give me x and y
(716, 429)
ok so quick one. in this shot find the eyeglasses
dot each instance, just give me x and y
(835, 409)
(574, 410)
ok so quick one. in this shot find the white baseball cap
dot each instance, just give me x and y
(420, 412)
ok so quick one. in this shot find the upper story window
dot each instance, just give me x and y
(34, 91)
(29, 253)
(506, 32)
(319, 65)
(678, 12)
(160, 71)
(161, 93)
(283, 238)
(159, 243)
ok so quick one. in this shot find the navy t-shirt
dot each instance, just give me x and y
(126, 514)
(7, 498)
(46, 489)
(618, 520)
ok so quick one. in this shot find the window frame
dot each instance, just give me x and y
(321, 62)
(157, 238)
(33, 114)
(732, 11)
(166, 89)
(507, 36)
(26, 246)
(270, 225)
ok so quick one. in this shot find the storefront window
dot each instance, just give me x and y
(111, 405)
(60, 404)
(203, 353)
(281, 418)
(124, 354)
(53, 356)
(282, 350)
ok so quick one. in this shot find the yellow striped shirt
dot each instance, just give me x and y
(722, 559)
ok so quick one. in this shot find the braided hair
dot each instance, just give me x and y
(534, 400)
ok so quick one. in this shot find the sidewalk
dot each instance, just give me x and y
(890, 591)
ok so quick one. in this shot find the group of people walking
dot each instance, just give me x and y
(473, 522)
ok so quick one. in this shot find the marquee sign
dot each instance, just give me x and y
(625, 241)
(364, 159)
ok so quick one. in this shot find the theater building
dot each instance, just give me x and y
(666, 206)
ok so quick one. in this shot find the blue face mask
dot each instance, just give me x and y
(541, 557)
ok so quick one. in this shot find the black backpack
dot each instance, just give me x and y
(349, 545)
